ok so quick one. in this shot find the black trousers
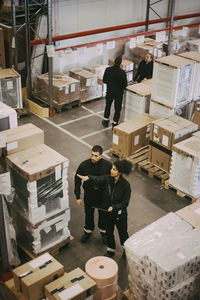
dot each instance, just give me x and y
(117, 98)
(121, 224)
(89, 218)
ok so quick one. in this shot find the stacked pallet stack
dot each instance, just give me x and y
(99, 71)
(137, 99)
(126, 65)
(10, 88)
(172, 88)
(194, 44)
(178, 45)
(165, 133)
(65, 89)
(164, 260)
(89, 87)
(39, 177)
(185, 166)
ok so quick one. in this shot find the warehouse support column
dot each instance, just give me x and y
(28, 50)
(147, 15)
(50, 60)
(172, 8)
(14, 34)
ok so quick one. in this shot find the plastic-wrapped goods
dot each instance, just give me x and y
(10, 88)
(65, 89)
(39, 176)
(173, 79)
(194, 44)
(164, 260)
(8, 119)
(137, 99)
(185, 166)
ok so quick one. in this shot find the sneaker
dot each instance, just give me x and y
(105, 123)
(104, 239)
(85, 237)
(109, 254)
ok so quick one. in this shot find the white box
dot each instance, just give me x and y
(8, 117)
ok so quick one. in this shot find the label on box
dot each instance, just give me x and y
(71, 292)
(159, 53)
(140, 39)
(197, 211)
(88, 82)
(132, 43)
(47, 229)
(59, 226)
(165, 140)
(156, 138)
(130, 76)
(148, 128)
(110, 45)
(58, 172)
(35, 263)
(9, 85)
(50, 50)
(136, 139)
(99, 49)
(5, 184)
(155, 52)
(94, 81)
(155, 129)
(72, 88)
(115, 139)
(2, 140)
(66, 89)
(11, 146)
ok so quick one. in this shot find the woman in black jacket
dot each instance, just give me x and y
(117, 193)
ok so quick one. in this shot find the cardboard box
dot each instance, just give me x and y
(168, 131)
(76, 285)
(23, 137)
(11, 293)
(126, 65)
(86, 78)
(8, 119)
(160, 158)
(37, 162)
(132, 135)
(31, 277)
(190, 214)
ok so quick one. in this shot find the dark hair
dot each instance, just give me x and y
(97, 148)
(118, 61)
(123, 166)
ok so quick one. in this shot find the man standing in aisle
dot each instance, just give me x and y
(96, 166)
(116, 81)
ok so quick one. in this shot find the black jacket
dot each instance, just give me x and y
(144, 71)
(116, 80)
(114, 194)
(86, 168)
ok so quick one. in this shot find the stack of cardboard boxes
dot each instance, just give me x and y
(39, 178)
(44, 277)
(89, 87)
(165, 133)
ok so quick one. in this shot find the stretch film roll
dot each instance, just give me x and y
(104, 271)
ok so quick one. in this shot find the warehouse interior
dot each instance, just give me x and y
(72, 32)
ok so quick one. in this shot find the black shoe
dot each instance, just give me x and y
(105, 123)
(109, 254)
(85, 237)
(114, 124)
(104, 239)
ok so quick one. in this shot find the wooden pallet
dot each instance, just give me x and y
(127, 295)
(153, 170)
(137, 157)
(89, 100)
(181, 193)
(52, 250)
(66, 106)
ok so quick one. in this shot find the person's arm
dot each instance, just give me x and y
(77, 187)
(138, 71)
(150, 73)
(125, 199)
(125, 81)
(105, 76)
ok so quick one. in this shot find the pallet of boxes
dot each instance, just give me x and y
(44, 278)
(164, 258)
(172, 86)
(66, 90)
(39, 178)
(90, 89)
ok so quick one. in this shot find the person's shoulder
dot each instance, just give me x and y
(84, 162)
(106, 162)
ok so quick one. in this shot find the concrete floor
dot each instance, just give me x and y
(72, 133)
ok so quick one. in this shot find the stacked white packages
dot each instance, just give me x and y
(164, 260)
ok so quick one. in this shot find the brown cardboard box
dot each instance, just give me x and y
(196, 118)
(126, 65)
(86, 78)
(168, 131)
(160, 158)
(23, 137)
(31, 277)
(132, 135)
(37, 162)
(190, 214)
(76, 285)
(11, 293)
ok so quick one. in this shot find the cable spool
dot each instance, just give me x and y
(104, 271)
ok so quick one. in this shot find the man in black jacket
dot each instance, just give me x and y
(116, 81)
(145, 69)
(96, 166)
